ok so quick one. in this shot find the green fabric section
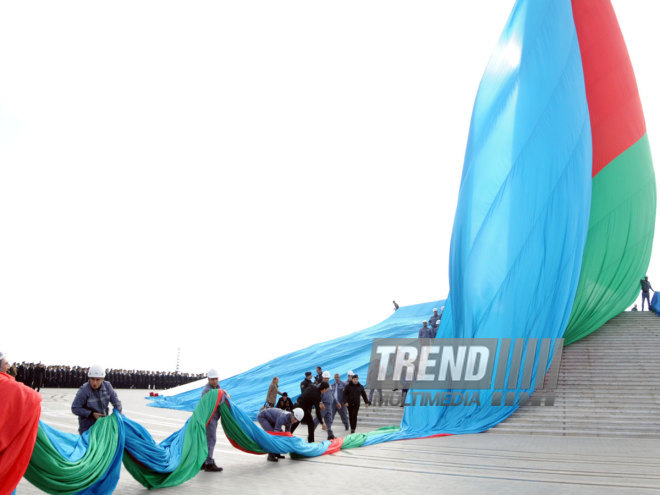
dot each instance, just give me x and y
(52, 473)
(619, 240)
(235, 433)
(194, 450)
(357, 439)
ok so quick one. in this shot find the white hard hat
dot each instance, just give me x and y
(213, 374)
(435, 309)
(350, 373)
(326, 374)
(298, 413)
(425, 321)
(96, 371)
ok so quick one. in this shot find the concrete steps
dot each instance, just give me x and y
(387, 414)
(609, 385)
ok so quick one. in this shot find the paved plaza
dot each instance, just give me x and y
(462, 464)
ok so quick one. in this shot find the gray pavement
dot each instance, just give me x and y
(461, 464)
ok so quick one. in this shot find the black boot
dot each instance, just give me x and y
(212, 468)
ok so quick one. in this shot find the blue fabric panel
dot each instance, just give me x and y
(350, 352)
(73, 447)
(520, 225)
(107, 483)
(277, 443)
(523, 208)
(163, 457)
(69, 445)
(655, 303)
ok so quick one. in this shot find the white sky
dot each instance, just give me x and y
(237, 179)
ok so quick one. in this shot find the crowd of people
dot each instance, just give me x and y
(38, 376)
(430, 327)
(326, 398)
(317, 393)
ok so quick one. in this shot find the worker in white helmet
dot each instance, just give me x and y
(273, 419)
(434, 320)
(212, 426)
(93, 399)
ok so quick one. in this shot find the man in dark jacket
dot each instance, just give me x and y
(306, 382)
(319, 376)
(310, 398)
(39, 374)
(646, 287)
(352, 393)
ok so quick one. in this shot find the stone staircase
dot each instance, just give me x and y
(386, 414)
(609, 386)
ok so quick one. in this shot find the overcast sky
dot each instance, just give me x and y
(236, 179)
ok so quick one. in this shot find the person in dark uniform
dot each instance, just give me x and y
(352, 393)
(319, 376)
(310, 398)
(306, 382)
(39, 373)
(646, 288)
(284, 402)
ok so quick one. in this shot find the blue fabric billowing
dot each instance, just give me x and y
(655, 303)
(350, 352)
(69, 445)
(73, 447)
(276, 443)
(523, 209)
(163, 457)
(520, 225)
(107, 483)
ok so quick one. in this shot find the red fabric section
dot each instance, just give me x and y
(615, 110)
(20, 408)
(241, 448)
(280, 433)
(440, 435)
(335, 445)
(217, 403)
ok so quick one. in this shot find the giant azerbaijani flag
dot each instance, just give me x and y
(552, 233)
